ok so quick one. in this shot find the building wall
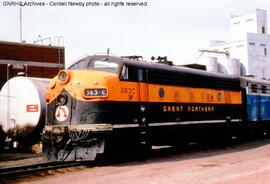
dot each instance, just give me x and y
(258, 55)
(241, 25)
(33, 60)
(252, 23)
(250, 43)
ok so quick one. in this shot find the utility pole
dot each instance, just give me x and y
(21, 25)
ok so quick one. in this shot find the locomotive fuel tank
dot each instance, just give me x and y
(22, 109)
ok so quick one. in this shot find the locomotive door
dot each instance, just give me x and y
(143, 86)
(228, 110)
(227, 97)
(143, 107)
(143, 95)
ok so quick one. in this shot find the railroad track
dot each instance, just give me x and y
(33, 168)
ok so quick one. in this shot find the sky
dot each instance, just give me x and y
(173, 28)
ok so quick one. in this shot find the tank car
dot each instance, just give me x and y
(104, 100)
(22, 110)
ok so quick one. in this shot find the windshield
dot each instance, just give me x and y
(108, 66)
(78, 65)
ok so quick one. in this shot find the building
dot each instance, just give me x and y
(249, 44)
(29, 60)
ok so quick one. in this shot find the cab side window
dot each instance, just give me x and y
(124, 73)
(132, 73)
(141, 75)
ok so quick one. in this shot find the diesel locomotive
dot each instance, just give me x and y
(102, 100)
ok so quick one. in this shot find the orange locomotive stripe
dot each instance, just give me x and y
(135, 92)
(193, 95)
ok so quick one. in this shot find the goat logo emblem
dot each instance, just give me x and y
(61, 113)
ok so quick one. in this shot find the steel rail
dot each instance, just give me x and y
(33, 168)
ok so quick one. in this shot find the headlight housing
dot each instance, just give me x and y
(63, 76)
(62, 99)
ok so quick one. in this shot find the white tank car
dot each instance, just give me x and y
(22, 109)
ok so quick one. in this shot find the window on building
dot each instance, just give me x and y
(251, 43)
(249, 20)
(235, 23)
(265, 51)
(263, 30)
(240, 46)
(263, 44)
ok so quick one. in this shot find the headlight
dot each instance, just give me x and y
(63, 76)
(101, 92)
(61, 99)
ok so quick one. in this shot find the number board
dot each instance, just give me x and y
(95, 92)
